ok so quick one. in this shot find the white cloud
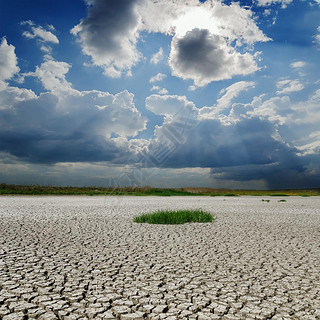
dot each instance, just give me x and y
(8, 60)
(159, 89)
(46, 49)
(232, 92)
(169, 105)
(308, 112)
(157, 78)
(229, 21)
(192, 88)
(40, 33)
(157, 57)
(163, 91)
(312, 146)
(283, 3)
(288, 86)
(205, 57)
(276, 110)
(298, 64)
(10, 95)
(52, 75)
(317, 36)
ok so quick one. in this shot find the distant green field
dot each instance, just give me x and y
(6, 189)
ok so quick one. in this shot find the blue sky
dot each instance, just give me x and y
(161, 93)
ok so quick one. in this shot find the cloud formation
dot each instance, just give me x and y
(252, 142)
(8, 60)
(265, 3)
(157, 78)
(39, 33)
(204, 58)
(288, 86)
(49, 129)
(298, 64)
(232, 92)
(120, 23)
(169, 105)
(159, 89)
(109, 35)
(317, 36)
(264, 127)
(64, 124)
(157, 57)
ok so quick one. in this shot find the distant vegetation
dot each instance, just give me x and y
(6, 189)
(174, 217)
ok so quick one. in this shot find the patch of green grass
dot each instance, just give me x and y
(174, 217)
(282, 200)
(265, 200)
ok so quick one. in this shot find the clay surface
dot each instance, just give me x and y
(83, 258)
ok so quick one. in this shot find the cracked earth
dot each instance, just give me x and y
(83, 258)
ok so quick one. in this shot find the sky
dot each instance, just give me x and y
(164, 93)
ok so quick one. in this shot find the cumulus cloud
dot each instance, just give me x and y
(52, 75)
(283, 3)
(40, 33)
(157, 57)
(78, 128)
(317, 36)
(276, 110)
(10, 95)
(158, 77)
(212, 144)
(222, 27)
(258, 145)
(169, 105)
(232, 92)
(8, 60)
(159, 89)
(109, 35)
(298, 64)
(288, 86)
(312, 146)
(66, 125)
(205, 57)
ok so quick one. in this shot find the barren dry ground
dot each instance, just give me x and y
(84, 258)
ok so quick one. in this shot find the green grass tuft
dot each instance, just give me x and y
(174, 217)
(282, 200)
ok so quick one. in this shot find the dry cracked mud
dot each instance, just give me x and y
(78, 258)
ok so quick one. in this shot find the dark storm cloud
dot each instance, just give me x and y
(212, 144)
(290, 174)
(244, 151)
(108, 34)
(206, 57)
(49, 130)
(107, 21)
